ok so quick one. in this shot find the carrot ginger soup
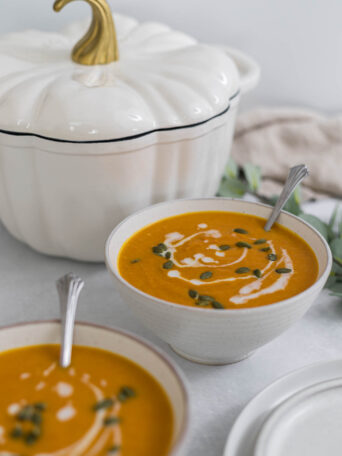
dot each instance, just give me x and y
(102, 405)
(221, 260)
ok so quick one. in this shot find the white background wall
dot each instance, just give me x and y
(298, 43)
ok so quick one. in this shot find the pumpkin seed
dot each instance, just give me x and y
(257, 273)
(265, 249)
(202, 303)
(16, 432)
(36, 418)
(111, 420)
(283, 270)
(104, 404)
(168, 265)
(243, 245)
(206, 275)
(206, 298)
(272, 257)
(113, 449)
(32, 436)
(224, 247)
(260, 241)
(241, 231)
(40, 406)
(126, 392)
(193, 294)
(136, 260)
(242, 270)
(217, 305)
(25, 413)
(159, 249)
(167, 255)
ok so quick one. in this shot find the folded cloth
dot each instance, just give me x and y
(276, 139)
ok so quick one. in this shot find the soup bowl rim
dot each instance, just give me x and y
(204, 311)
(164, 357)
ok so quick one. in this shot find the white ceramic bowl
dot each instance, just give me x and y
(207, 335)
(123, 343)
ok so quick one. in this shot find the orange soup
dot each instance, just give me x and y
(220, 260)
(102, 405)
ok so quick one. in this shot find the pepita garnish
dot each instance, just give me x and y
(159, 249)
(168, 265)
(260, 241)
(16, 432)
(111, 420)
(257, 273)
(113, 449)
(272, 257)
(243, 245)
(167, 255)
(193, 294)
(206, 298)
(265, 249)
(32, 436)
(224, 247)
(206, 275)
(103, 404)
(242, 270)
(125, 393)
(240, 231)
(202, 303)
(217, 305)
(283, 270)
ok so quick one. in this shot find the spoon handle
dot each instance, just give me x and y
(296, 175)
(69, 288)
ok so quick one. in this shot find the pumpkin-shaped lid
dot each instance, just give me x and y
(120, 82)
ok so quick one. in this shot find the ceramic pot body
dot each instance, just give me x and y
(207, 335)
(63, 199)
(122, 343)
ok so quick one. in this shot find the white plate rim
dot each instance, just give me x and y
(282, 411)
(252, 417)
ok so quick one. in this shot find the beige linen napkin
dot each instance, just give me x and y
(276, 139)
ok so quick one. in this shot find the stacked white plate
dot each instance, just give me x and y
(298, 415)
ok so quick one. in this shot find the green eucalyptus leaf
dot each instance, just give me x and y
(336, 248)
(333, 217)
(314, 221)
(292, 205)
(336, 287)
(331, 281)
(232, 187)
(253, 176)
(232, 168)
(338, 295)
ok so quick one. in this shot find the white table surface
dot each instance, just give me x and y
(27, 292)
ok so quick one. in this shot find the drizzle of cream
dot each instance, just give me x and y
(25, 375)
(85, 378)
(64, 389)
(66, 413)
(2, 435)
(103, 383)
(72, 372)
(220, 254)
(13, 409)
(40, 386)
(202, 226)
(50, 369)
(245, 294)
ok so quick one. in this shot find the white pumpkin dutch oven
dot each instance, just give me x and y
(84, 143)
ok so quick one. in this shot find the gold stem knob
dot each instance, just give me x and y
(99, 45)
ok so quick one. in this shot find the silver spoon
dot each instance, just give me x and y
(296, 175)
(69, 288)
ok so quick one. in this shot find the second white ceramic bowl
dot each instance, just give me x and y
(208, 335)
(122, 343)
